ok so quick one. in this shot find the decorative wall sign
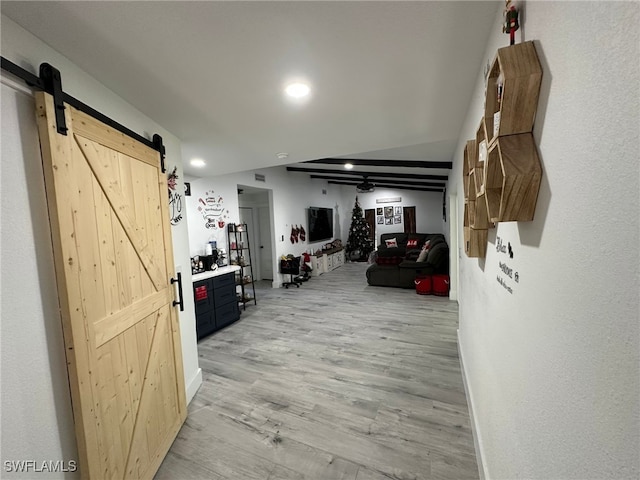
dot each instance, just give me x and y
(389, 200)
(175, 197)
(506, 273)
(211, 206)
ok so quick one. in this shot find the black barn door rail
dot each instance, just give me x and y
(50, 81)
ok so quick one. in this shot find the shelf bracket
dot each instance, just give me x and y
(159, 146)
(52, 83)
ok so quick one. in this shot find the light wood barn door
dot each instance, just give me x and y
(108, 209)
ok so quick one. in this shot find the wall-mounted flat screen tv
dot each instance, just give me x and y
(320, 223)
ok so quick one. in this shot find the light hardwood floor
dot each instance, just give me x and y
(332, 380)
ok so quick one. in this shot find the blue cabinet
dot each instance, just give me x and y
(216, 303)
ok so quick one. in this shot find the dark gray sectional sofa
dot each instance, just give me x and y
(397, 266)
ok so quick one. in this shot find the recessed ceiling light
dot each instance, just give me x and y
(282, 155)
(348, 166)
(197, 162)
(297, 90)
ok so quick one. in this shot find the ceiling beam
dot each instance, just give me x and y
(383, 163)
(376, 180)
(408, 176)
(395, 187)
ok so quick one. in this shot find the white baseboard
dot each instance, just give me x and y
(193, 385)
(475, 429)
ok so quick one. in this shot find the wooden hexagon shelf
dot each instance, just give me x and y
(482, 147)
(469, 152)
(512, 179)
(515, 102)
(475, 242)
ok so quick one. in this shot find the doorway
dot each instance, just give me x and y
(409, 214)
(256, 210)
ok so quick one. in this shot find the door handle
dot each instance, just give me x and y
(181, 302)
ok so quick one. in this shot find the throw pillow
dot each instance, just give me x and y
(390, 243)
(412, 242)
(425, 251)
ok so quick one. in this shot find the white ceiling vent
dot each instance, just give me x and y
(260, 178)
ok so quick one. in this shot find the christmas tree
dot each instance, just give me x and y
(359, 245)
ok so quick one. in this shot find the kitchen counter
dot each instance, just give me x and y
(214, 273)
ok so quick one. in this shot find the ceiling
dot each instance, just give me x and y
(390, 80)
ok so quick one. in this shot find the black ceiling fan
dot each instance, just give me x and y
(365, 186)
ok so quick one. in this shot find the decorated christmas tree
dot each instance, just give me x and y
(359, 245)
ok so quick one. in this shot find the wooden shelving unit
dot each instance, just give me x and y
(517, 101)
(502, 170)
(240, 254)
(513, 179)
(475, 242)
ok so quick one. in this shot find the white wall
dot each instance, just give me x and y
(428, 209)
(36, 409)
(292, 193)
(553, 367)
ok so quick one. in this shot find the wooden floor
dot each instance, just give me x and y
(332, 380)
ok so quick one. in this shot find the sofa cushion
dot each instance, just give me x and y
(412, 254)
(391, 252)
(396, 260)
(436, 239)
(438, 256)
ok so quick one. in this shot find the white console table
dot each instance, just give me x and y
(326, 262)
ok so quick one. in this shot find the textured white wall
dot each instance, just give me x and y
(553, 368)
(36, 407)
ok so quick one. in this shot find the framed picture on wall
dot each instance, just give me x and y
(388, 212)
(398, 210)
(380, 219)
(397, 219)
(379, 211)
(388, 221)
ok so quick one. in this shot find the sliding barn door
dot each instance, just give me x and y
(108, 210)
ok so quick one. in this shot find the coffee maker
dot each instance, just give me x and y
(210, 262)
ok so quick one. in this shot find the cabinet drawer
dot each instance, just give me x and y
(224, 280)
(203, 296)
(227, 314)
(224, 295)
(205, 324)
